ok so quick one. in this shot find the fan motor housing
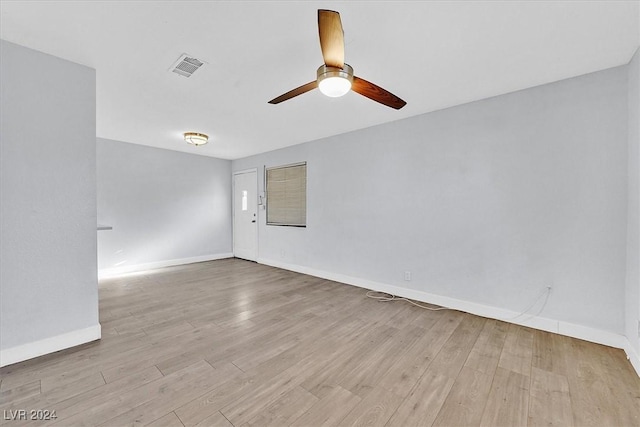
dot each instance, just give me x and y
(326, 71)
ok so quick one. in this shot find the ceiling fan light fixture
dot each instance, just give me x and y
(335, 78)
(334, 87)
(333, 81)
(195, 138)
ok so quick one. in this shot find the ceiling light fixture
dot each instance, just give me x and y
(195, 138)
(333, 81)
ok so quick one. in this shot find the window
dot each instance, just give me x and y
(287, 195)
(244, 200)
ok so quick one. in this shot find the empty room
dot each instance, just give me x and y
(320, 213)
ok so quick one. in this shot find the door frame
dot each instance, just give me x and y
(233, 209)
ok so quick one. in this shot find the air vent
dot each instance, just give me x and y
(186, 65)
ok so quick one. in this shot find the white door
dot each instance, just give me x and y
(245, 215)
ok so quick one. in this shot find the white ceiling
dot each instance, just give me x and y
(432, 54)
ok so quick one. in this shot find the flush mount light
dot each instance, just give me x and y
(333, 81)
(195, 138)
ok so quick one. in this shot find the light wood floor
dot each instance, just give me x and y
(235, 343)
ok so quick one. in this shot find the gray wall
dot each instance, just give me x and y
(163, 205)
(632, 295)
(486, 202)
(48, 277)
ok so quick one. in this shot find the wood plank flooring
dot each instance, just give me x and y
(234, 343)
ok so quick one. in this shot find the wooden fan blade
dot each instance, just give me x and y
(295, 92)
(376, 93)
(331, 38)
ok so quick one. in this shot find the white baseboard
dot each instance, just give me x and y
(632, 355)
(586, 333)
(117, 271)
(49, 345)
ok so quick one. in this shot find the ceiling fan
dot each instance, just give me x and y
(335, 78)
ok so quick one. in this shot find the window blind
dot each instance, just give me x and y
(287, 195)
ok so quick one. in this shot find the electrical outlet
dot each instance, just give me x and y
(407, 276)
